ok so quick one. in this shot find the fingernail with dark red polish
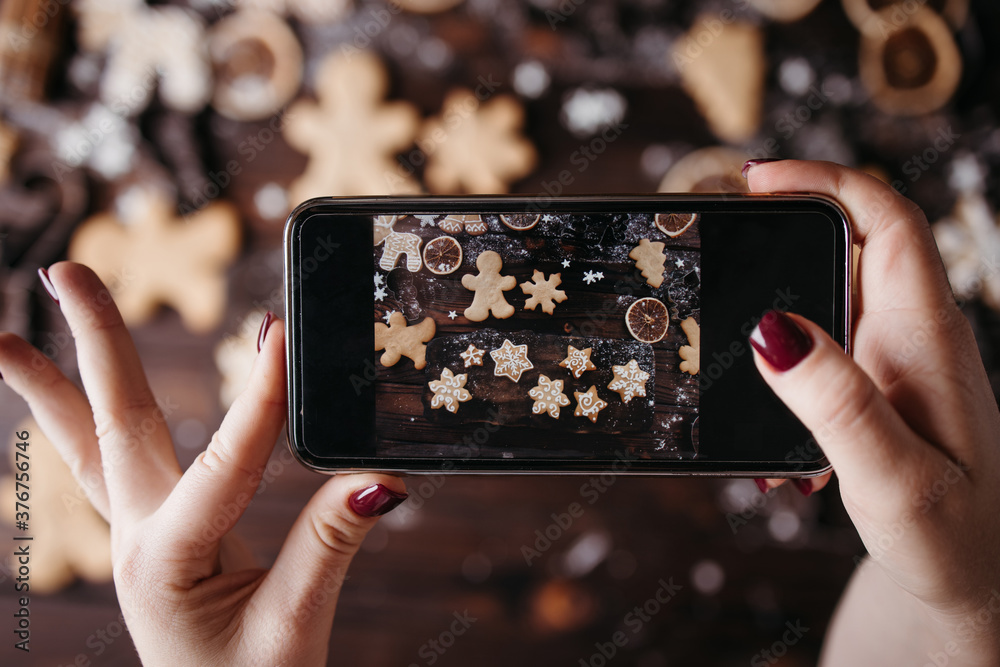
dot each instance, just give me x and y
(375, 500)
(761, 484)
(43, 275)
(749, 164)
(805, 486)
(264, 326)
(780, 340)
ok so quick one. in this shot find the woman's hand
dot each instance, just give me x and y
(911, 427)
(189, 590)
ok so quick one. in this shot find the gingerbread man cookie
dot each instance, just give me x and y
(74, 541)
(400, 340)
(351, 135)
(147, 257)
(489, 287)
(397, 244)
(543, 292)
(650, 259)
(145, 46)
(307, 11)
(476, 148)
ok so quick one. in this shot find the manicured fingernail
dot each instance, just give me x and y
(43, 275)
(749, 164)
(761, 484)
(780, 340)
(375, 500)
(805, 486)
(264, 326)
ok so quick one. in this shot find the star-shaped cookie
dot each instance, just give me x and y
(588, 404)
(577, 361)
(511, 360)
(629, 381)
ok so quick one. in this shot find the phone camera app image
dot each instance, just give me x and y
(558, 334)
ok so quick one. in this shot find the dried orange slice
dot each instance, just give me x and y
(675, 224)
(520, 221)
(442, 255)
(647, 320)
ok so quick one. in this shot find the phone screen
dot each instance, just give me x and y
(481, 335)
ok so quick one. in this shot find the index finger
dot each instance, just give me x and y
(902, 266)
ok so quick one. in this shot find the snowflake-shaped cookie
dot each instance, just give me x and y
(630, 381)
(578, 361)
(588, 404)
(449, 391)
(548, 396)
(511, 360)
(543, 291)
(352, 135)
(476, 148)
(472, 356)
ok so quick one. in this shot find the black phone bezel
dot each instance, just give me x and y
(658, 203)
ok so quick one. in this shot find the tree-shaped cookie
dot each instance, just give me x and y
(691, 353)
(148, 257)
(71, 537)
(543, 291)
(147, 46)
(351, 135)
(476, 148)
(650, 259)
(489, 287)
(399, 340)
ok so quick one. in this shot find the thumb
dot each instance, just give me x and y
(311, 567)
(858, 429)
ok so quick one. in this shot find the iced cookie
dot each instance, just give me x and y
(630, 381)
(548, 396)
(449, 391)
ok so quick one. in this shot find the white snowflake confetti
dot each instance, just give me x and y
(380, 293)
(452, 314)
(565, 263)
(591, 277)
(679, 263)
(511, 360)
(379, 279)
(388, 315)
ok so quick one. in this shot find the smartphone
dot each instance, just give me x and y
(556, 335)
